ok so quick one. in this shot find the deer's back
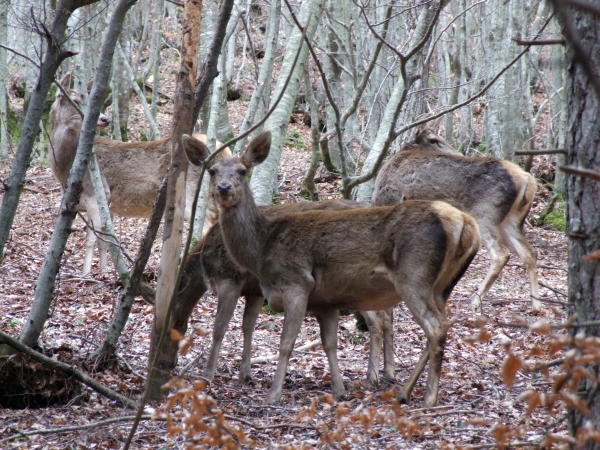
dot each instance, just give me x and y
(216, 262)
(486, 188)
(133, 172)
(356, 256)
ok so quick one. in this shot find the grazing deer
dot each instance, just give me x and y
(364, 259)
(497, 193)
(131, 171)
(210, 266)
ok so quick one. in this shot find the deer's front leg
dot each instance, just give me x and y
(295, 300)
(251, 312)
(328, 322)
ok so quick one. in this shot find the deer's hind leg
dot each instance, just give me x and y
(518, 243)
(499, 254)
(91, 240)
(381, 334)
(432, 319)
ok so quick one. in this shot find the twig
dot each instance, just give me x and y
(267, 427)
(585, 173)
(556, 291)
(554, 326)
(101, 389)
(264, 359)
(506, 445)
(446, 413)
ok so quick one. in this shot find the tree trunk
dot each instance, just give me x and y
(260, 96)
(385, 132)
(4, 139)
(31, 127)
(583, 195)
(44, 291)
(173, 227)
(265, 175)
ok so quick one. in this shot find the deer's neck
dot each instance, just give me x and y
(244, 228)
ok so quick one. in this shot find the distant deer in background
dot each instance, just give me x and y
(364, 259)
(131, 171)
(497, 193)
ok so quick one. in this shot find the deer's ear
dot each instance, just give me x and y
(258, 150)
(66, 81)
(196, 150)
(89, 84)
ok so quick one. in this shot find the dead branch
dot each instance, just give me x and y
(585, 173)
(78, 375)
(539, 41)
(274, 357)
(79, 427)
(551, 151)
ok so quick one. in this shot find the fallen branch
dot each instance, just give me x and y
(78, 375)
(555, 326)
(264, 359)
(540, 42)
(76, 427)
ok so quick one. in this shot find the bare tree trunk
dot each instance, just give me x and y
(173, 227)
(4, 139)
(260, 97)
(31, 127)
(44, 291)
(583, 194)
(264, 176)
(385, 132)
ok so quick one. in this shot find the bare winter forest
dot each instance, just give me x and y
(117, 284)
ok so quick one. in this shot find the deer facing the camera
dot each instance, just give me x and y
(364, 259)
(131, 171)
(497, 193)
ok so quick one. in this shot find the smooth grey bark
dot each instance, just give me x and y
(583, 194)
(263, 176)
(384, 136)
(260, 97)
(4, 139)
(54, 56)
(333, 71)
(47, 278)
(504, 124)
(557, 67)
(123, 80)
(155, 133)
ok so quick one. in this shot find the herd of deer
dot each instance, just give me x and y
(433, 207)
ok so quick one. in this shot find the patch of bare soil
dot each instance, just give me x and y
(474, 403)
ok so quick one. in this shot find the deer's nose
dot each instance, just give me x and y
(224, 188)
(105, 120)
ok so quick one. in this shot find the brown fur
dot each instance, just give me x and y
(131, 171)
(210, 266)
(365, 259)
(497, 193)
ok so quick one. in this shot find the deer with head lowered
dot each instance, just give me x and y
(364, 259)
(131, 171)
(497, 193)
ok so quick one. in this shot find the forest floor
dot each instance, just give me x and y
(475, 406)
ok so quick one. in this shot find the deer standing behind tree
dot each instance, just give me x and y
(131, 171)
(497, 193)
(363, 259)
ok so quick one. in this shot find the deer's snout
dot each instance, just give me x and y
(105, 120)
(224, 188)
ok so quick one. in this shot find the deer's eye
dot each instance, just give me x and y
(243, 172)
(433, 141)
(211, 172)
